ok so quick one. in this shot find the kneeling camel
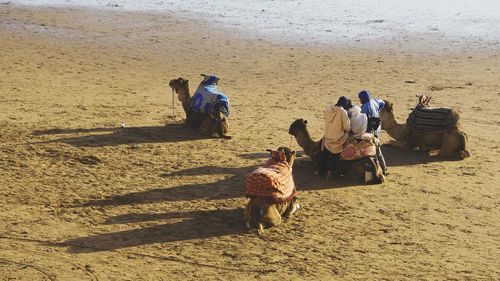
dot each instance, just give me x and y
(207, 124)
(271, 191)
(356, 168)
(450, 142)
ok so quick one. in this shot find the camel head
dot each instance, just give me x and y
(387, 110)
(387, 114)
(289, 154)
(388, 107)
(180, 86)
(299, 124)
(284, 154)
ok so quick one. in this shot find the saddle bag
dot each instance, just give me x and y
(425, 119)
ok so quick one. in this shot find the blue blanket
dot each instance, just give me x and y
(209, 99)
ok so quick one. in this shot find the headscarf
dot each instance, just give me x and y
(343, 102)
(364, 96)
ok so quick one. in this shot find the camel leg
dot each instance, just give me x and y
(222, 126)
(247, 215)
(450, 146)
(205, 127)
(271, 216)
(254, 214)
(463, 152)
(258, 214)
(289, 208)
(374, 168)
(398, 144)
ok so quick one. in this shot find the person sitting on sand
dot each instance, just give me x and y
(208, 98)
(337, 127)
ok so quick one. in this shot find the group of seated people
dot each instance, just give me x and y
(345, 120)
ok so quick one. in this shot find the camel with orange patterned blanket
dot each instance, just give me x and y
(271, 191)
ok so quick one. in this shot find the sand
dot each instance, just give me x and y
(83, 199)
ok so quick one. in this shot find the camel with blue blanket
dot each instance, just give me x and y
(207, 109)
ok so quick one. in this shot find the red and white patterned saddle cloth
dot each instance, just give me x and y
(273, 182)
(359, 148)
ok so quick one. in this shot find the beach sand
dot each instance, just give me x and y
(83, 199)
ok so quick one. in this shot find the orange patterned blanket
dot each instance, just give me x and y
(357, 149)
(273, 182)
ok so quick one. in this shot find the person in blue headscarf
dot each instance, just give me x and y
(208, 98)
(372, 107)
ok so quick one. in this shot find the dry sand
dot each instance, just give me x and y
(83, 199)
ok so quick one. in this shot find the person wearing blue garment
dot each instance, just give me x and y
(372, 107)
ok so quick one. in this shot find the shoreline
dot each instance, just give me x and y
(403, 41)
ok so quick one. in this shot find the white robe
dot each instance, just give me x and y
(359, 121)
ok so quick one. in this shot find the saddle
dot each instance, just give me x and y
(359, 148)
(272, 182)
(426, 119)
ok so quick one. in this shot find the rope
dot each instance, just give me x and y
(173, 104)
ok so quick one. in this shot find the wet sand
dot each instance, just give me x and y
(83, 199)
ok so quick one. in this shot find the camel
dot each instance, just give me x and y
(265, 211)
(450, 143)
(207, 124)
(354, 168)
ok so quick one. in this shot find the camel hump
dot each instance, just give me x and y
(274, 181)
(425, 119)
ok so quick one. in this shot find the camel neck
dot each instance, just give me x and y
(306, 142)
(393, 128)
(185, 97)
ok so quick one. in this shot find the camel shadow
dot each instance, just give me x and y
(99, 137)
(305, 179)
(194, 225)
(398, 157)
(233, 186)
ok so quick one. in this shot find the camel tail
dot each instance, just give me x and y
(463, 152)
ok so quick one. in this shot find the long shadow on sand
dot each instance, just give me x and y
(194, 225)
(230, 187)
(399, 157)
(98, 137)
